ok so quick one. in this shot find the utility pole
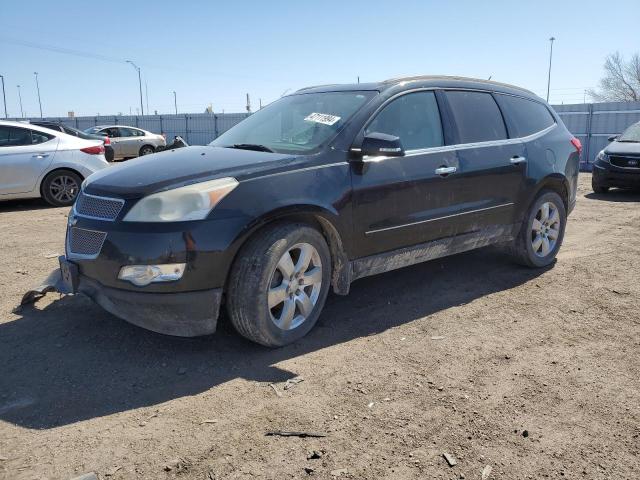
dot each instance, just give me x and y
(38, 88)
(175, 101)
(358, 78)
(4, 98)
(552, 39)
(260, 101)
(20, 98)
(139, 83)
(248, 104)
(146, 96)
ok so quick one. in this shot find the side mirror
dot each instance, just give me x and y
(612, 138)
(377, 144)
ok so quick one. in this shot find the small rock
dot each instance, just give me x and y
(338, 472)
(142, 424)
(309, 470)
(451, 460)
(486, 471)
(292, 382)
(437, 337)
(371, 404)
(525, 433)
(314, 454)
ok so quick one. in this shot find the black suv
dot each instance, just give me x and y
(618, 165)
(318, 189)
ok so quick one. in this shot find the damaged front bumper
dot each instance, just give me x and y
(183, 314)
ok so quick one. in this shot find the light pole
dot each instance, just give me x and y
(550, 58)
(38, 88)
(175, 101)
(20, 98)
(139, 83)
(146, 96)
(4, 98)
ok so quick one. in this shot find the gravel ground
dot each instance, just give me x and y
(530, 373)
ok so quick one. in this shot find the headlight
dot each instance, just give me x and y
(603, 157)
(192, 202)
(142, 275)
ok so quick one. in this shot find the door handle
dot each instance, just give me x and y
(516, 160)
(40, 155)
(446, 170)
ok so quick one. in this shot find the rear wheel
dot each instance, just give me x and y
(542, 231)
(146, 150)
(60, 188)
(279, 283)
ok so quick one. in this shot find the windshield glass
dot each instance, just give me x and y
(92, 130)
(300, 123)
(631, 134)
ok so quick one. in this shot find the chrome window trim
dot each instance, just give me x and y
(378, 230)
(111, 199)
(465, 146)
(305, 169)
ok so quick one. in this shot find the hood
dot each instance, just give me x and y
(175, 168)
(622, 148)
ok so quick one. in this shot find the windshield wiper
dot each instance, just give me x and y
(251, 146)
(629, 141)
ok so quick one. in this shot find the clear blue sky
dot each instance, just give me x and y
(216, 52)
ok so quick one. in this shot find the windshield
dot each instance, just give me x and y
(631, 134)
(92, 130)
(300, 123)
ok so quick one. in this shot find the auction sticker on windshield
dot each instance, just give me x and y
(324, 118)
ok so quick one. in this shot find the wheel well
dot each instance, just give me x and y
(55, 171)
(341, 267)
(556, 184)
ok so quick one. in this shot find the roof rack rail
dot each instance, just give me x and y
(452, 77)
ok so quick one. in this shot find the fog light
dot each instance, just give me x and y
(142, 275)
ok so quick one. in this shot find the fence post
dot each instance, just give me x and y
(161, 128)
(587, 150)
(215, 126)
(186, 127)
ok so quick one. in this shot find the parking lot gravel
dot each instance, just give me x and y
(512, 373)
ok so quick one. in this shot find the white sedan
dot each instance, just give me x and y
(39, 162)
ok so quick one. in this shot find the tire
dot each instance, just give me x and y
(535, 246)
(260, 268)
(60, 188)
(597, 188)
(146, 150)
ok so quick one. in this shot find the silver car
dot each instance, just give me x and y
(129, 142)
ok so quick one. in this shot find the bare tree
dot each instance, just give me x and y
(621, 81)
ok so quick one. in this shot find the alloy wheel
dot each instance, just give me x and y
(63, 188)
(295, 286)
(545, 229)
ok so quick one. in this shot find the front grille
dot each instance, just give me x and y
(101, 208)
(625, 161)
(85, 242)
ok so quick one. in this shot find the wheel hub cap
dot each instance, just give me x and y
(295, 286)
(545, 229)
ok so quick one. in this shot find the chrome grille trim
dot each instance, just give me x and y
(97, 208)
(83, 243)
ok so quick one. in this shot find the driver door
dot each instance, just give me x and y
(404, 201)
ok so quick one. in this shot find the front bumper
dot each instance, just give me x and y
(607, 175)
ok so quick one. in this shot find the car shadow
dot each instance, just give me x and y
(24, 205)
(72, 361)
(616, 195)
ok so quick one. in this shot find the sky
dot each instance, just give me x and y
(215, 52)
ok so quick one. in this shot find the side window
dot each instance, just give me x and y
(14, 136)
(524, 117)
(40, 137)
(137, 133)
(126, 132)
(477, 116)
(414, 118)
(110, 132)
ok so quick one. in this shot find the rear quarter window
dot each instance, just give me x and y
(477, 116)
(524, 117)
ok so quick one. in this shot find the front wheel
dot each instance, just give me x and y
(279, 283)
(146, 150)
(542, 231)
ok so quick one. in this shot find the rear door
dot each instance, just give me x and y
(492, 166)
(403, 201)
(24, 155)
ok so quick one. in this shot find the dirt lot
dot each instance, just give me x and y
(533, 373)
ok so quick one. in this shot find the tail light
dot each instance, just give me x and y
(97, 150)
(107, 141)
(577, 145)
(164, 135)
